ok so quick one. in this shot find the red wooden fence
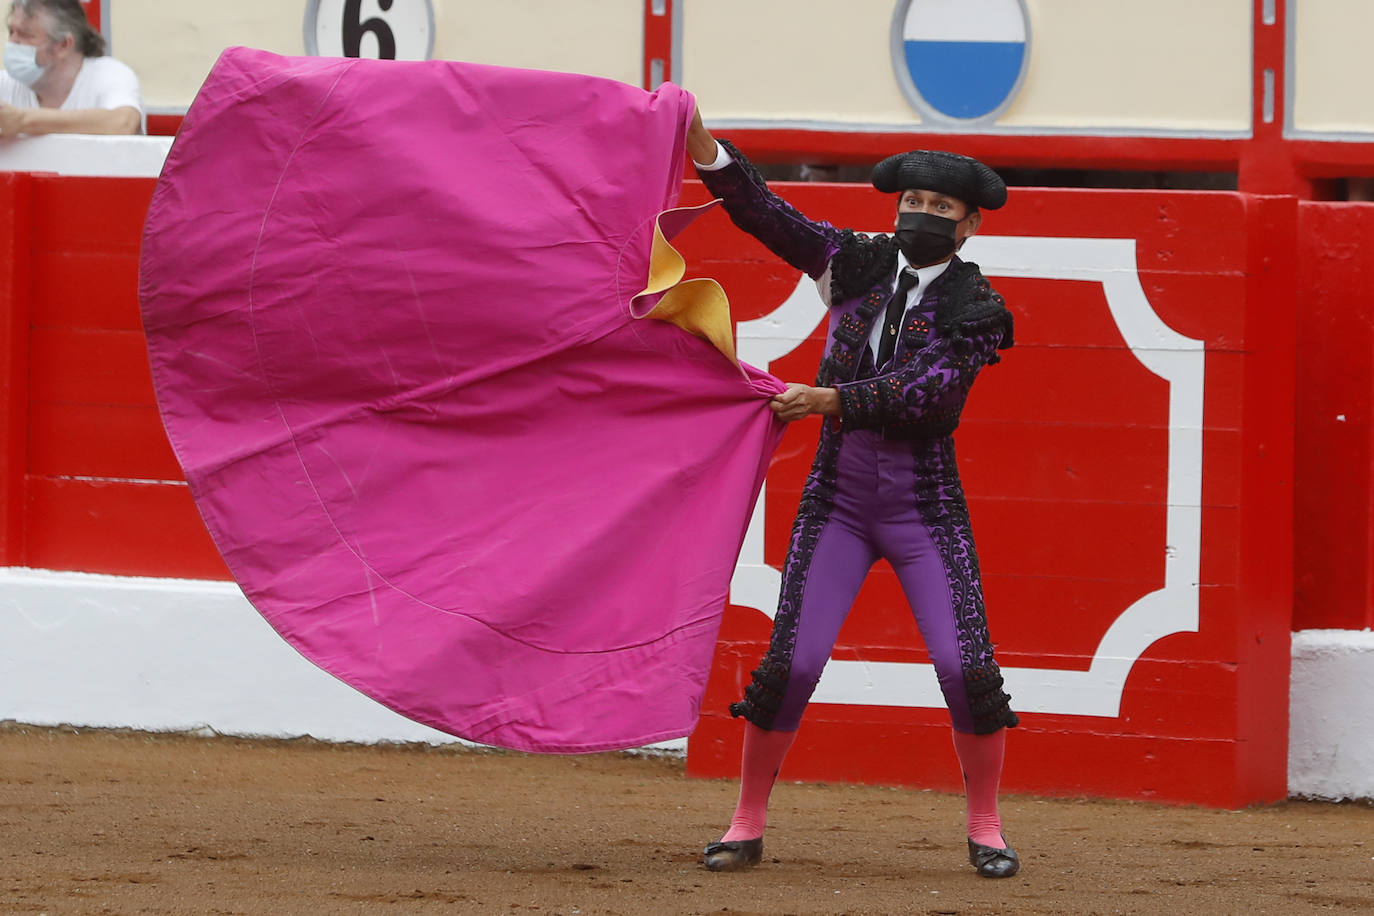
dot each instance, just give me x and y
(91, 482)
(1334, 513)
(1066, 449)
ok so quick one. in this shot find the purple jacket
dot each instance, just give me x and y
(960, 325)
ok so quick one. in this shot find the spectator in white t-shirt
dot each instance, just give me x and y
(57, 79)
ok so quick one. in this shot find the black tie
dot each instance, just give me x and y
(896, 308)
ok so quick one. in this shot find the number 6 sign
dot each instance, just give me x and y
(377, 29)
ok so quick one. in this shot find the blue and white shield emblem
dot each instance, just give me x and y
(960, 60)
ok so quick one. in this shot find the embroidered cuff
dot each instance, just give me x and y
(865, 404)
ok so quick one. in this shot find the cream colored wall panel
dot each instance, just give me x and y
(172, 46)
(792, 60)
(598, 37)
(1168, 65)
(1332, 65)
(1163, 65)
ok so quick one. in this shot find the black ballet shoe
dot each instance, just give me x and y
(734, 855)
(992, 862)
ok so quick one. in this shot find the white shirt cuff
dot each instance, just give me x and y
(721, 161)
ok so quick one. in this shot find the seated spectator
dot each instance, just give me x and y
(57, 79)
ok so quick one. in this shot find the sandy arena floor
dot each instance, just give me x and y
(114, 822)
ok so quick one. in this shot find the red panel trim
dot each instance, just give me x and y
(1004, 150)
(14, 361)
(85, 289)
(1268, 166)
(1332, 158)
(90, 367)
(658, 40)
(89, 440)
(1264, 617)
(90, 214)
(164, 125)
(119, 527)
(1333, 529)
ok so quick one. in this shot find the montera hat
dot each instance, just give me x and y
(948, 173)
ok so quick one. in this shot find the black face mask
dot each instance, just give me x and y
(925, 238)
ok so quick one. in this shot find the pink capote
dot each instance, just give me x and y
(389, 317)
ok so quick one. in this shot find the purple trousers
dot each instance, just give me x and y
(870, 498)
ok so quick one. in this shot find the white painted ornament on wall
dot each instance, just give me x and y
(1177, 359)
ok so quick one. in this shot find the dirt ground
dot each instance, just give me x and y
(119, 822)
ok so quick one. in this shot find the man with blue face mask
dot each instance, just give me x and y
(911, 325)
(57, 79)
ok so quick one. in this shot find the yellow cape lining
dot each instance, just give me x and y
(698, 306)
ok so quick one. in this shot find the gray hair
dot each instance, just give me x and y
(66, 18)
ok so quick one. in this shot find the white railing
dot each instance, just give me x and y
(81, 154)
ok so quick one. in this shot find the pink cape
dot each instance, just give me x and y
(394, 320)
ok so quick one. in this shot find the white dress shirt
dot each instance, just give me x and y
(925, 277)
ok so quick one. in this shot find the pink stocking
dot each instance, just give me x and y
(763, 754)
(981, 757)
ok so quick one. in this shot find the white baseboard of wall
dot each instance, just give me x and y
(191, 655)
(1331, 715)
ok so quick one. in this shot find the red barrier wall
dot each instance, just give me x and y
(1066, 450)
(91, 482)
(1334, 518)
